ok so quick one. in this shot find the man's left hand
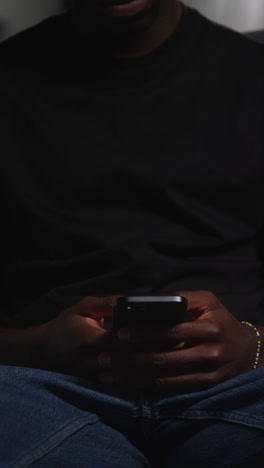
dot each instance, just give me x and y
(184, 358)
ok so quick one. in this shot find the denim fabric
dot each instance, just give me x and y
(56, 420)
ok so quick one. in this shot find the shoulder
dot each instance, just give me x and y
(221, 43)
(230, 57)
(33, 42)
(28, 56)
(257, 36)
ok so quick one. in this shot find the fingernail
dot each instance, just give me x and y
(123, 334)
(104, 359)
(106, 378)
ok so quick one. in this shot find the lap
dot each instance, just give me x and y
(222, 426)
(215, 443)
(238, 400)
(46, 416)
(50, 419)
(96, 445)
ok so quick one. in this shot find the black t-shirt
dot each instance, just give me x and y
(131, 176)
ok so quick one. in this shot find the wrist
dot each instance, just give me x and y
(259, 358)
(261, 338)
(21, 347)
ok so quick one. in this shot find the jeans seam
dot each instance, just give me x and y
(228, 416)
(53, 441)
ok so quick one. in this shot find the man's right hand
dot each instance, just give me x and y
(70, 343)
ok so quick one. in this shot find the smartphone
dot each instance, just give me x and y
(147, 310)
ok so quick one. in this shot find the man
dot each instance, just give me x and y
(132, 164)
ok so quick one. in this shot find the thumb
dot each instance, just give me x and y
(200, 303)
(93, 307)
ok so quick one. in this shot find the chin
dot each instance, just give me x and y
(124, 28)
(115, 19)
(113, 8)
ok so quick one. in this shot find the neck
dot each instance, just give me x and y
(131, 39)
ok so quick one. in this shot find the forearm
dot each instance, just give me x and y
(19, 347)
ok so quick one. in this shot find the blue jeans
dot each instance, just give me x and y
(56, 420)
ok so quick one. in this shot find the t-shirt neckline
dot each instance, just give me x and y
(177, 45)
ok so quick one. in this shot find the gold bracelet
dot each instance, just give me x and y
(259, 343)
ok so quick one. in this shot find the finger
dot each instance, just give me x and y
(172, 384)
(96, 337)
(88, 362)
(169, 336)
(200, 302)
(95, 307)
(82, 364)
(177, 361)
(195, 332)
